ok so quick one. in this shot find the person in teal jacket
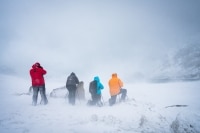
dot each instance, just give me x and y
(99, 85)
(95, 89)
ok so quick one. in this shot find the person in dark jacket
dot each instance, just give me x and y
(71, 85)
(38, 83)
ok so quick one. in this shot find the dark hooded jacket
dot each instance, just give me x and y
(72, 80)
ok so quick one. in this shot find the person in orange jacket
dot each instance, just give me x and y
(115, 85)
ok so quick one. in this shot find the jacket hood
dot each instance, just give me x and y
(37, 64)
(72, 73)
(34, 66)
(114, 75)
(97, 78)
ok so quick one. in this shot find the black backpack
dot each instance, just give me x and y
(70, 81)
(93, 87)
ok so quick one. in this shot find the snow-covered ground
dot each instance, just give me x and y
(145, 110)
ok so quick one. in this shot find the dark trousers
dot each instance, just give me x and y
(44, 100)
(42, 91)
(123, 93)
(96, 100)
(72, 94)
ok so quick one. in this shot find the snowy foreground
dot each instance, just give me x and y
(145, 111)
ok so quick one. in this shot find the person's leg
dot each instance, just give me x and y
(43, 95)
(123, 94)
(96, 98)
(93, 97)
(35, 96)
(99, 103)
(92, 101)
(70, 95)
(112, 100)
(73, 96)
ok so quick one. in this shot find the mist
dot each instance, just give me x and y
(91, 38)
(145, 42)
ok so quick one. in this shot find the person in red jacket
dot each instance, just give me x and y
(38, 83)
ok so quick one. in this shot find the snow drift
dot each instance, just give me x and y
(144, 111)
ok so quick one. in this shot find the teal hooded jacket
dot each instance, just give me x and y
(99, 85)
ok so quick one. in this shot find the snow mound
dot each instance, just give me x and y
(183, 124)
(143, 112)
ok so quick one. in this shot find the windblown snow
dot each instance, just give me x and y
(149, 108)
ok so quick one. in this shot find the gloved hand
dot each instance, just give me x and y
(40, 67)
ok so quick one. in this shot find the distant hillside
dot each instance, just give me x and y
(183, 65)
(6, 70)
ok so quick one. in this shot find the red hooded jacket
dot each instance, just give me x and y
(36, 74)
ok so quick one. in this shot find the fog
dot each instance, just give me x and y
(94, 37)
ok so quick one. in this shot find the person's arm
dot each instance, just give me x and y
(120, 83)
(43, 71)
(101, 86)
(76, 79)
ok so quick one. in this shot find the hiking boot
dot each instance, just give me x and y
(34, 103)
(100, 104)
(121, 100)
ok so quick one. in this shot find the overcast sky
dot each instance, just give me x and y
(94, 37)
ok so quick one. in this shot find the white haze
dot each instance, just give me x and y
(131, 38)
(94, 37)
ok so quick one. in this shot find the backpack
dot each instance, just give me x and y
(70, 81)
(93, 87)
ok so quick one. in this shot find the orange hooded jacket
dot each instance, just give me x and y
(115, 85)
